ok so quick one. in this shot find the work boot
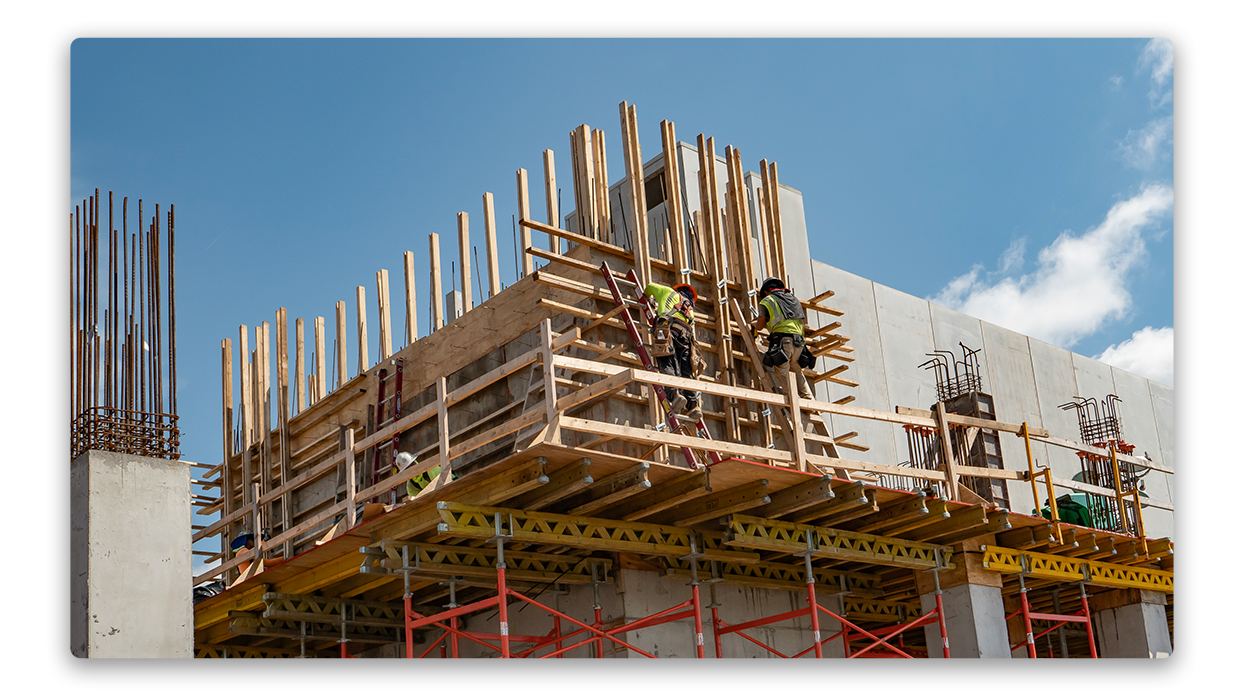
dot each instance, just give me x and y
(695, 414)
(678, 403)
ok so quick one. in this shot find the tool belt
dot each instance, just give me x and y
(776, 356)
(667, 331)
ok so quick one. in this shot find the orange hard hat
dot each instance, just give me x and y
(687, 290)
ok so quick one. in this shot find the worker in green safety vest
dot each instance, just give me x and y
(673, 342)
(416, 484)
(782, 315)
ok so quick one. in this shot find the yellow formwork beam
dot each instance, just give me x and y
(1070, 569)
(787, 537)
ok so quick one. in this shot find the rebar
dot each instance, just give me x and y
(117, 357)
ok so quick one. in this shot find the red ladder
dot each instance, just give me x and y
(672, 421)
(382, 421)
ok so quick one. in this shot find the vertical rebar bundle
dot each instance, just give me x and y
(120, 385)
(1100, 426)
(967, 372)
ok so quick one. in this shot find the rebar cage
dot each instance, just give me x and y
(138, 433)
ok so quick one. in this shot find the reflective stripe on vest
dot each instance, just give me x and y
(778, 323)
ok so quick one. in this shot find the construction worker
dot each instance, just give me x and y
(673, 342)
(782, 314)
(416, 484)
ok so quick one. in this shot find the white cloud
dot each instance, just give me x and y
(1149, 353)
(1158, 57)
(1142, 148)
(1080, 281)
(1116, 82)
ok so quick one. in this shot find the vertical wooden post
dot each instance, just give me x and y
(601, 177)
(778, 239)
(948, 453)
(551, 206)
(798, 449)
(226, 416)
(245, 382)
(412, 319)
(351, 478)
(464, 261)
(265, 409)
(714, 193)
(584, 181)
(361, 304)
(438, 301)
(550, 381)
(490, 244)
(634, 163)
(321, 383)
(341, 343)
(386, 320)
(442, 424)
(524, 214)
(282, 378)
(673, 201)
(767, 267)
(300, 367)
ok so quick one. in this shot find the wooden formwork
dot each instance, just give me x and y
(535, 401)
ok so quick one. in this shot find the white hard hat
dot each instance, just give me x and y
(405, 460)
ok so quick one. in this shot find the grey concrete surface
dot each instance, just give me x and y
(975, 622)
(1135, 630)
(130, 557)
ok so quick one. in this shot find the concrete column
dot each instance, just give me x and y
(1130, 623)
(130, 557)
(644, 592)
(975, 622)
(972, 603)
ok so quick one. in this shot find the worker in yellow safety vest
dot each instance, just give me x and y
(782, 314)
(416, 484)
(673, 342)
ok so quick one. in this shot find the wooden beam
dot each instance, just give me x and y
(438, 300)
(386, 319)
(601, 177)
(361, 305)
(464, 261)
(321, 379)
(551, 204)
(226, 400)
(524, 213)
(412, 317)
(300, 370)
(244, 382)
(351, 476)
(341, 344)
(490, 244)
(948, 453)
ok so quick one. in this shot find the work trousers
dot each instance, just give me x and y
(679, 364)
(791, 366)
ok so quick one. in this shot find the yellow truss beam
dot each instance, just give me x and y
(1070, 569)
(786, 537)
(464, 561)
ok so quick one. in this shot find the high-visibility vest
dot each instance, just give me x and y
(778, 321)
(669, 303)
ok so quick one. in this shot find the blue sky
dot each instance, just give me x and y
(965, 171)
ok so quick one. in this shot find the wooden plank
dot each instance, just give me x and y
(566, 481)
(798, 446)
(341, 344)
(673, 201)
(797, 497)
(717, 504)
(321, 378)
(282, 373)
(779, 237)
(438, 299)
(551, 204)
(361, 305)
(226, 400)
(386, 316)
(608, 490)
(442, 423)
(667, 495)
(679, 440)
(464, 261)
(244, 383)
(300, 371)
(949, 462)
(412, 315)
(490, 243)
(524, 213)
(601, 178)
(351, 477)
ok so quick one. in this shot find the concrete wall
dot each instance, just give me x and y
(130, 557)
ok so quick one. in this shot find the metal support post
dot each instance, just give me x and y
(812, 607)
(502, 591)
(1088, 621)
(713, 606)
(937, 597)
(695, 598)
(1023, 605)
(600, 643)
(1062, 635)
(453, 622)
(410, 632)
